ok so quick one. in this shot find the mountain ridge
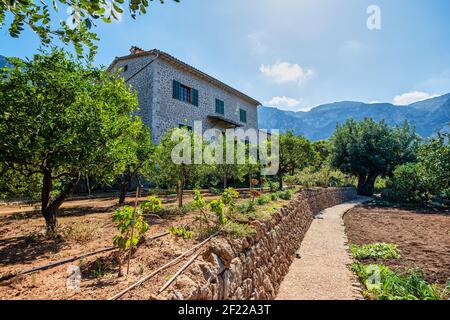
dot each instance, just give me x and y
(428, 116)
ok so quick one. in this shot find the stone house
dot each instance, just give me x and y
(173, 94)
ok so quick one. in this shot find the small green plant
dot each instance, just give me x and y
(199, 203)
(131, 227)
(225, 205)
(384, 284)
(273, 187)
(273, 196)
(152, 205)
(375, 251)
(181, 231)
(218, 207)
(229, 197)
(263, 199)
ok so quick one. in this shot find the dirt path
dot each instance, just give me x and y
(321, 272)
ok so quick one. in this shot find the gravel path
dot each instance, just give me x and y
(321, 272)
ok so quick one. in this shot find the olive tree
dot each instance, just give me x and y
(60, 119)
(369, 149)
(138, 165)
(296, 153)
(173, 161)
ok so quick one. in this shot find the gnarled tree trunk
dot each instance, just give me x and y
(123, 188)
(366, 184)
(49, 208)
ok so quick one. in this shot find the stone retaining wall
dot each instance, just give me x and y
(253, 267)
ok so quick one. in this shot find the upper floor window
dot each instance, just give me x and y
(184, 93)
(220, 107)
(243, 115)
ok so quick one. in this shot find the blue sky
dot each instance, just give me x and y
(295, 54)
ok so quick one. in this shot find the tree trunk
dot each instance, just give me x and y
(180, 192)
(88, 186)
(280, 181)
(123, 188)
(49, 210)
(367, 187)
(224, 181)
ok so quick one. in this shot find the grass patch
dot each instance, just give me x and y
(375, 251)
(239, 230)
(81, 232)
(384, 284)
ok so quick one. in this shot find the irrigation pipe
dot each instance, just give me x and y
(61, 262)
(184, 267)
(167, 265)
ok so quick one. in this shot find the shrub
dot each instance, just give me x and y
(323, 177)
(385, 284)
(246, 207)
(406, 184)
(375, 251)
(262, 200)
(286, 195)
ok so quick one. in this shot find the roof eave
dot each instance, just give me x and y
(189, 68)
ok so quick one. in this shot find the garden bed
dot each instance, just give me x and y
(422, 236)
(86, 226)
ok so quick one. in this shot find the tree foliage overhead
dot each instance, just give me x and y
(43, 18)
(369, 149)
(60, 119)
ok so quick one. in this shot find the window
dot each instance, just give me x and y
(185, 93)
(220, 107)
(243, 115)
(125, 68)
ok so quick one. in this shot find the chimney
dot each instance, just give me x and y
(135, 50)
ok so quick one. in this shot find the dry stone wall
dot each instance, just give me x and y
(253, 267)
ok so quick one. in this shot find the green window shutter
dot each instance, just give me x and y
(195, 97)
(242, 115)
(220, 106)
(176, 90)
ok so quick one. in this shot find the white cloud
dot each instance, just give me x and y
(284, 103)
(411, 97)
(284, 72)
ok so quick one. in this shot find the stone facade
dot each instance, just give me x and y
(254, 267)
(152, 73)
